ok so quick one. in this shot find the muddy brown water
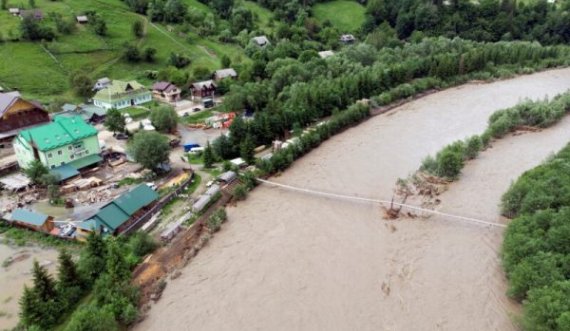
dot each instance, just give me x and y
(289, 261)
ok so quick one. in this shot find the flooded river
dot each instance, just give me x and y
(14, 275)
(289, 261)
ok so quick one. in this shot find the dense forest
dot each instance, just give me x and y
(536, 249)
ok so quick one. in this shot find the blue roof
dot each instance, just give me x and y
(26, 216)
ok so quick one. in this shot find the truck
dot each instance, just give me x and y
(189, 145)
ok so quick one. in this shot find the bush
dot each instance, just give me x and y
(214, 222)
(92, 318)
(472, 147)
(141, 244)
(240, 192)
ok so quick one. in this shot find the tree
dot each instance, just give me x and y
(209, 158)
(67, 274)
(4, 4)
(149, 54)
(32, 30)
(240, 192)
(178, 60)
(82, 85)
(132, 53)
(114, 121)
(35, 170)
(32, 3)
(164, 119)
(150, 149)
(247, 150)
(116, 265)
(99, 26)
(30, 308)
(44, 285)
(175, 11)
(226, 62)
(92, 262)
(223, 7)
(138, 28)
(92, 318)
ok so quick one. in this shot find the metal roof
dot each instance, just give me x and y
(118, 89)
(85, 161)
(7, 100)
(62, 131)
(64, 172)
(26, 216)
(117, 212)
(224, 73)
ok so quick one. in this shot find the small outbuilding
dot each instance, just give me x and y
(101, 83)
(201, 203)
(31, 220)
(347, 38)
(166, 91)
(227, 177)
(261, 41)
(14, 11)
(83, 19)
(238, 162)
(225, 73)
(35, 14)
(325, 54)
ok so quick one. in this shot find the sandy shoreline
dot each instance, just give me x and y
(291, 261)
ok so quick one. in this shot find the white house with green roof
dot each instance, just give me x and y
(121, 95)
(65, 145)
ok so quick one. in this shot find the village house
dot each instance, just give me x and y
(117, 215)
(347, 38)
(36, 14)
(121, 95)
(166, 92)
(34, 221)
(261, 41)
(66, 145)
(90, 113)
(17, 114)
(225, 73)
(203, 89)
(101, 83)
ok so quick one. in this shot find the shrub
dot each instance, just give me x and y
(240, 192)
(472, 147)
(214, 222)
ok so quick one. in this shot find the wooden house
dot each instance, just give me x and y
(165, 91)
(203, 89)
(31, 220)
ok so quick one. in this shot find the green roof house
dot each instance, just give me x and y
(121, 95)
(124, 208)
(65, 145)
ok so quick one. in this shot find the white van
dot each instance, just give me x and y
(197, 150)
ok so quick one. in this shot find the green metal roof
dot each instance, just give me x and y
(62, 131)
(65, 172)
(112, 216)
(85, 161)
(118, 89)
(26, 216)
(92, 224)
(121, 209)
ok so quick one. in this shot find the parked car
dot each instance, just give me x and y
(121, 136)
(209, 103)
(196, 109)
(174, 142)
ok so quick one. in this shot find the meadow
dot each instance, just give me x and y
(345, 15)
(41, 70)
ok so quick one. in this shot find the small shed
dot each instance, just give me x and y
(325, 54)
(15, 182)
(227, 177)
(347, 38)
(239, 162)
(261, 41)
(225, 73)
(31, 220)
(203, 89)
(174, 228)
(201, 203)
(14, 11)
(213, 190)
(83, 19)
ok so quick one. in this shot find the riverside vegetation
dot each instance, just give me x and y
(539, 114)
(536, 248)
(93, 293)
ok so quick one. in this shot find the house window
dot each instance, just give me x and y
(59, 153)
(72, 156)
(49, 155)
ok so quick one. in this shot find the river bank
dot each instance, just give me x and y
(290, 261)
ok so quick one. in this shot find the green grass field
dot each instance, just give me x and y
(42, 72)
(265, 16)
(345, 15)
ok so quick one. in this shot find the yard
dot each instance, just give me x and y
(345, 15)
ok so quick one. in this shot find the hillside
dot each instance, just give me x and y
(42, 70)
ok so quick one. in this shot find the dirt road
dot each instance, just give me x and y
(288, 261)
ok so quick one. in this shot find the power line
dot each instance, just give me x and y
(383, 202)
